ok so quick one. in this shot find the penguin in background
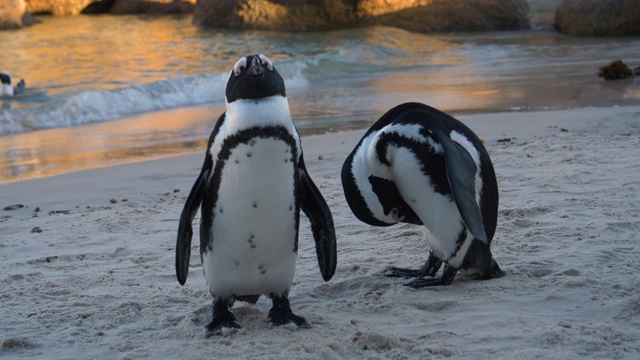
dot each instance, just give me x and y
(7, 85)
(421, 166)
(250, 191)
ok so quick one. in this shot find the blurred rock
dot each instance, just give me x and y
(98, 7)
(617, 70)
(542, 13)
(14, 15)
(275, 14)
(599, 17)
(448, 15)
(413, 15)
(57, 7)
(153, 7)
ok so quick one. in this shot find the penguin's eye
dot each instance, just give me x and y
(240, 66)
(266, 62)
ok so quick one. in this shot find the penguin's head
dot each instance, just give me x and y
(5, 78)
(254, 77)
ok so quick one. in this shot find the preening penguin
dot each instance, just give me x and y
(250, 191)
(421, 166)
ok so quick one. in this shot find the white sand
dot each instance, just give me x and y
(99, 281)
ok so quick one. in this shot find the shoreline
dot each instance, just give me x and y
(44, 153)
(85, 276)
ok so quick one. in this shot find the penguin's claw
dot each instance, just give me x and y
(430, 268)
(426, 282)
(284, 319)
(406, 273)
(448, 274)
(217, 326)
(281, 314)
(222, 319)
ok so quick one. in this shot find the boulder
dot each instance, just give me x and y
(448, 15)
(275, 14)
(98, 7)
(75, 7)
(414, 15)
(57, 7)
(14, 15)
(542, 13)
(153, 7)
(617, 70)
(599, 17)
(11, 12)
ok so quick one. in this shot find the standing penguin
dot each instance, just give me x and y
(252, 186)
(421, 166)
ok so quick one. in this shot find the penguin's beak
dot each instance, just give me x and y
(255, 68)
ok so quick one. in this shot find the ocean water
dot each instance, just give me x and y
(109, 89)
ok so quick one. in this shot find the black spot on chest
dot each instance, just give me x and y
(210, 206)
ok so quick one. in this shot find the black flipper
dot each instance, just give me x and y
(315, 207)
(461, 173)
(185, 229)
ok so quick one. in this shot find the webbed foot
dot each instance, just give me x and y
(448, 274)
(281, 314)
(405, 273)
(430, 268)
(222, 318)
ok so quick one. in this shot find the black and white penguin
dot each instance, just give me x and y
(421, 166)
(7, 85)
(251, 188)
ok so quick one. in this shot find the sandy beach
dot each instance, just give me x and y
(87, 264)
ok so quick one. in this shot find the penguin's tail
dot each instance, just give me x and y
(495, 271)
(479, 257)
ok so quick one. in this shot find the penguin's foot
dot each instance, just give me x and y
(426, 282)
(222, 318)
(494, 273)
(405, 273)
(430, 268)
(217, 326)
(281, 314)
(448, 274)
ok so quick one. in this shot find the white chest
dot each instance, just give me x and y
(7, 90)
(254, 227)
